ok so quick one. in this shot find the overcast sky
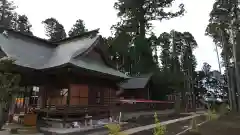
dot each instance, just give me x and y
(100, 14)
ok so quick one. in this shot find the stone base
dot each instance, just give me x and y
(5, 133)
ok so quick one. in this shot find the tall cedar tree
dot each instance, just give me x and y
(188, 64)
(13, 20)
(188, 58)
(135, 23)
(165, 56)
(54, 30)
(154, 44)
(8, 13)
(139, 13)
(21, 24)
(219, 26)
(177, 45)
(77, 29)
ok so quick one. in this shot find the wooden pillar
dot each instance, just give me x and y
(25, 99)
(67, 106)
(148, 91)
(48, 96)
(42, 96)
(109, 103)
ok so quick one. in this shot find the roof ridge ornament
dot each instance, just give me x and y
(5, 33)
(3, 30)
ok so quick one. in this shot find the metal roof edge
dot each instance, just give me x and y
(30, 36)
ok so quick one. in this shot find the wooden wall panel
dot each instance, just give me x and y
(110, 96)
(107, 96)
(78, 94)
(75, 91)
(74, 101)
(83, 101)
(83, 92)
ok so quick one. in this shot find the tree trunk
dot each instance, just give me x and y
(230, 92)
(236, 55)
(3, 115)
(177, 104)
(142, 29)
(232, 82)
(184, 100)
(227, 62)
(142, 22)
(193, 94)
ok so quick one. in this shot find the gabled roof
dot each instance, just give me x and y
(136, 83)
(36, 53)
(67, 51)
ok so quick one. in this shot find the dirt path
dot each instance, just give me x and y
(150, 127)
(225, 125)
(174, 128)
(148, 120)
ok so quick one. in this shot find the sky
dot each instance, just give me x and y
(101, 14)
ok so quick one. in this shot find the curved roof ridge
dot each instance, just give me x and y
(56, 43)
(95, 31)
(81, 51)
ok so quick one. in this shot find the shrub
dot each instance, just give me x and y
(212, 115)
(114, 129)
(223, 109)
(193, 125)
(159, 129)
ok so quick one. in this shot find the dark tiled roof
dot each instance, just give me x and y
(56, 43)
(136, 83)
(27, 51)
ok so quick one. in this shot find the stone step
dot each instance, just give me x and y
(27, 131)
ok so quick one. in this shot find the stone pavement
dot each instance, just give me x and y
(8, 133)
(19, 128)
(10, 126)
